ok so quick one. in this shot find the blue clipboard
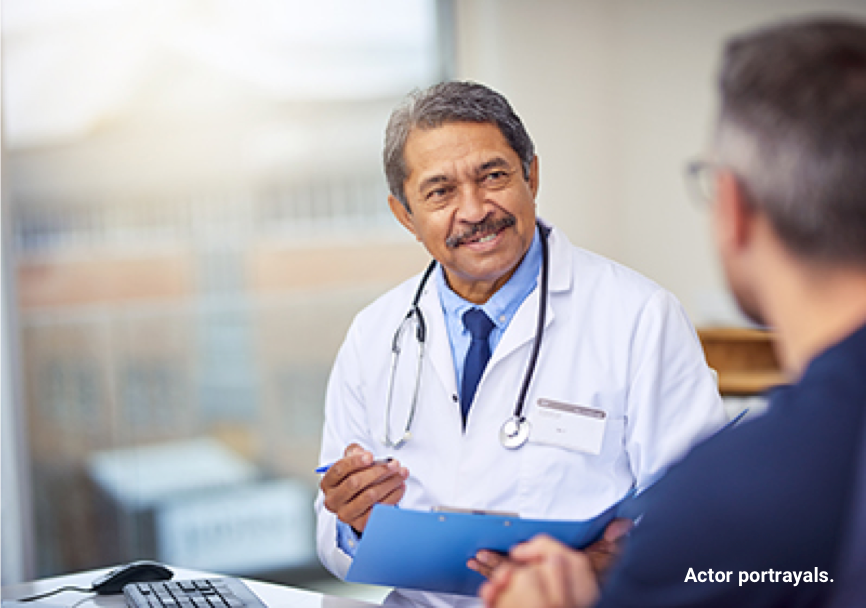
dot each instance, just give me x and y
(429, 549)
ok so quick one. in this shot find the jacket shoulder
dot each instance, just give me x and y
(393, 303)
(603, 273)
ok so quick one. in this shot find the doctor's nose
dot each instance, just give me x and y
(474, 206)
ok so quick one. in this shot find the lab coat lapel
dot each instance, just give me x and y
(521, 329)
(523, 326)
(439, 347)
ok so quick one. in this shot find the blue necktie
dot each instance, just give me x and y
(479, 326)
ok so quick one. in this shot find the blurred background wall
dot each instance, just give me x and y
(618, 95)
(193, 211)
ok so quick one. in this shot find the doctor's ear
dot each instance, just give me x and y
(403, 215)
(532, 179)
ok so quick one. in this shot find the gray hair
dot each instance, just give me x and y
(792, 128)
(443, 103)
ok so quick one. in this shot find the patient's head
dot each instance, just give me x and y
(793, 130)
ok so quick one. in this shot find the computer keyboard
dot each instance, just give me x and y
(223, 592)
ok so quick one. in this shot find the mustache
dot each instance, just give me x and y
(486, 226)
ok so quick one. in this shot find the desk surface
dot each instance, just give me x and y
(275, 596)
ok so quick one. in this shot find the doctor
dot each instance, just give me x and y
(545, 380)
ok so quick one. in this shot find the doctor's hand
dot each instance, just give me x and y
(354, 484)
(485, 562)
(606, 551)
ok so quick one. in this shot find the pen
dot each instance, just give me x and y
(736, 419)
(324, 468)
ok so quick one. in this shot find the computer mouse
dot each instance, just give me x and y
(143, 571)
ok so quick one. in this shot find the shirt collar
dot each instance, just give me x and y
(503, 305)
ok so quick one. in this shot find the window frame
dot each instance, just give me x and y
(16, 523)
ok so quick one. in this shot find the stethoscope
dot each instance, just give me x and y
(515, 430)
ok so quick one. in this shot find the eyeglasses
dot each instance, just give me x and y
(701, 180)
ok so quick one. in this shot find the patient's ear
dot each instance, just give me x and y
(733, 213)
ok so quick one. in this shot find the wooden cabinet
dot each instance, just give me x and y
(744, 359)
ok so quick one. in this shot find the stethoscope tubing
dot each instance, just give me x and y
(421, 336)
(539, 328)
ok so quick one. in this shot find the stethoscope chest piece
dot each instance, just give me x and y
(514, 432)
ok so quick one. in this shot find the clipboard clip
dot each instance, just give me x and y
(444, 509)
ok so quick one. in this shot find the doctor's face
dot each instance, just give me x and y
(471, 206)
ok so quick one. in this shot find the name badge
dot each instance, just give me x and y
(573, 427)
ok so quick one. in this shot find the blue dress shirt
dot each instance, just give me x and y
(501, 307)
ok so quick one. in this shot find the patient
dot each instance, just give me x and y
(759, 515)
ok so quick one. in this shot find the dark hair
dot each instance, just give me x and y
(445, 103)
(793, 130)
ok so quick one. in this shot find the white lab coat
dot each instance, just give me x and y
(613, 340)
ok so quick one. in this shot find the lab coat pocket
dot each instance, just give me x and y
(561, 483)
(572, 427)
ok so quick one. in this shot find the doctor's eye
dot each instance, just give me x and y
(437, 194)
(496, 178)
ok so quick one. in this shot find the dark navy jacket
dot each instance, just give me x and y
(774, 493)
